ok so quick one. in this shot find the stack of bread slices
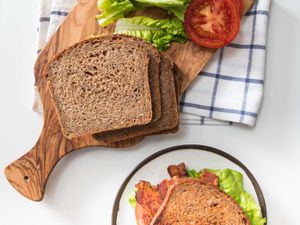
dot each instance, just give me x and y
(115, 88)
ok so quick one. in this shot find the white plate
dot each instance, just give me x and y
(154, 169)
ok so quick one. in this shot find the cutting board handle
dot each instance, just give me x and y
(29, 174)
(24, 175)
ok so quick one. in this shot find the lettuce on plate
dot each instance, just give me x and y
(193, 173)
(131, 198)
(231, 182)
(158, 32)
(111, 10)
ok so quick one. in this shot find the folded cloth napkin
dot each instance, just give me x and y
(228, 90)
(52, 13)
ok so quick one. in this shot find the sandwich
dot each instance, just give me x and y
(207, 197)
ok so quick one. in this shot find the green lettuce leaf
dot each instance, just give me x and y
(162, 3)
(193, 173)
(178, 11)
(158, 32)
(176, 7)
(111, 10)
(231, 182)
(131, 199)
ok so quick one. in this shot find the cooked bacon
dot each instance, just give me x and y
(148, 199)
(164, 186)
(177, 170)
(209, 178)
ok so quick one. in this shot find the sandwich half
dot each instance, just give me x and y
(189, 201)
(208, 197)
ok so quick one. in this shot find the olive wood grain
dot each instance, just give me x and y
(29, 174)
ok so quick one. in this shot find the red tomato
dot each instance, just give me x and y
(212, 23)
(239, 5)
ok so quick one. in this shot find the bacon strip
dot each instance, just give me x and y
(209, 178)
(148, 202)
(163, 187)
(177, 170)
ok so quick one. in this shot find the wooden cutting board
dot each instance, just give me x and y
(29, 174)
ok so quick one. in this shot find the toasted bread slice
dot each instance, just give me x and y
(100, 84)
(189, 201)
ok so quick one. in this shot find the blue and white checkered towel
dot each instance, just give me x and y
(228, 90)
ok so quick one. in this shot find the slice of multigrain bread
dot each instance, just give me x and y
(177, 76)
(99, 85)
(169, 114)
(189, 201)
(153, 70)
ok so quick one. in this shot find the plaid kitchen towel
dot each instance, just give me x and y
(228, 90)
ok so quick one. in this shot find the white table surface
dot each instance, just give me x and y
(82, 187)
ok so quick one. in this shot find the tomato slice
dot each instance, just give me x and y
(212, 23)
(239, 5)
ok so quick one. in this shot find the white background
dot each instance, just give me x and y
(82, 187)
